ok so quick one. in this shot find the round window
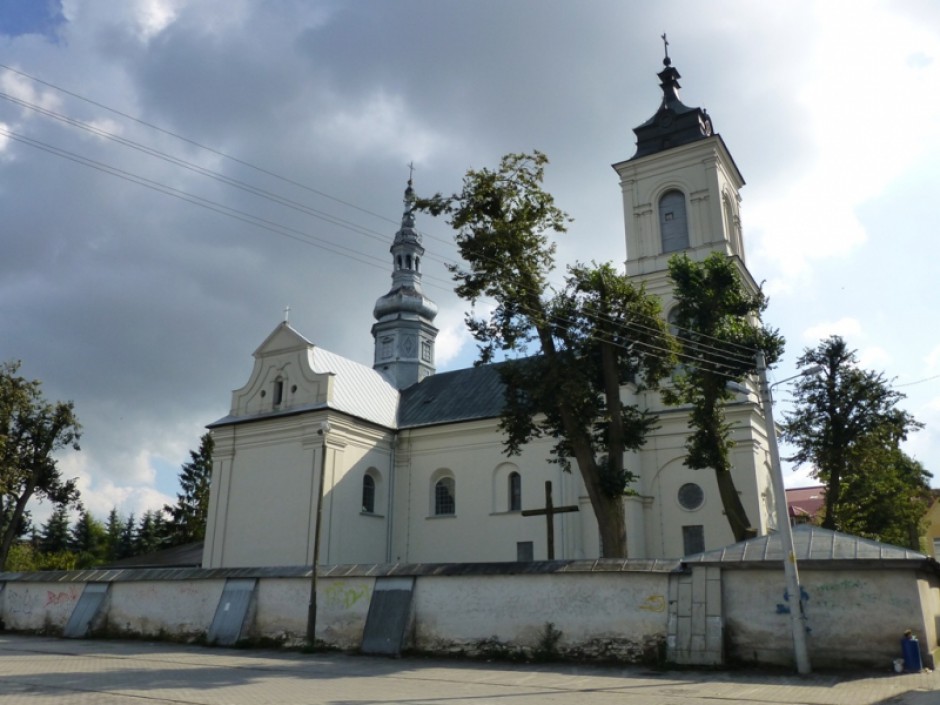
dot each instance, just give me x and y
(691, 496)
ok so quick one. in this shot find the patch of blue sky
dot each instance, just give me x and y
(19, 17)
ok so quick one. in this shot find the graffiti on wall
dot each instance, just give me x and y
(654, 603)
(341, 595)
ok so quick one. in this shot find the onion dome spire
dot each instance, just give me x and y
(674, 123)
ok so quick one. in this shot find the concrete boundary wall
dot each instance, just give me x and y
(611, 610)
(627, 611)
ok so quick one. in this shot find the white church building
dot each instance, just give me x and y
(403, 465)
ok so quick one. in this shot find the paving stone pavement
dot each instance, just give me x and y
(40, 670)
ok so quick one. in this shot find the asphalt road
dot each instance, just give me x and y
(41, 670)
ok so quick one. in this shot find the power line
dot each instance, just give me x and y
(277, 228)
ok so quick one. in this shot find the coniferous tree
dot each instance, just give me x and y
(188, 517)
(114, 530)
(149, 535)
(88, 540)
(127, 544)
(55, 532)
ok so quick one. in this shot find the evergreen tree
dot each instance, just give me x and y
(88, 540)
(55, 532)
(127, 544)
(113, 532)
(188, 517)
(149, 536)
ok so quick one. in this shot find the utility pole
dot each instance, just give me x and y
(797, 615)
(312, 604)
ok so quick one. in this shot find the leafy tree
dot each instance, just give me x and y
(32, 431)
(188, 518)
(24, 526)
(595, 335)
(846, 423)
(55, 535)
(88, 540)
(886, 496)
(719, 334)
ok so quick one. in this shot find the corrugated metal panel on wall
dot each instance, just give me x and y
(86, 610)
(389, 615)
(232, 611)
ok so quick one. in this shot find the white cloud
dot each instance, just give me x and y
(865, 68)
(874, 358)
(932, 360)
(847, 328)
(379, 124)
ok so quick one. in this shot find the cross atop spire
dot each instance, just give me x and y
(667, 60)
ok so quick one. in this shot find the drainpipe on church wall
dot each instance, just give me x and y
(312, 604)
(390, 508)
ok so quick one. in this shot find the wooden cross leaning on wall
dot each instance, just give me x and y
(549, 513)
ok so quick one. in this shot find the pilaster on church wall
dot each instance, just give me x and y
(222, 457)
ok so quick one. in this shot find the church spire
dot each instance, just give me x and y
(674, 123)
(404, 331)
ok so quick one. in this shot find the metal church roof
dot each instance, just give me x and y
(448, 397)
(357, 390)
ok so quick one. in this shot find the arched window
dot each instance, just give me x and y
(445, 497)
(368, 494)
(673, 223)
(515, 492)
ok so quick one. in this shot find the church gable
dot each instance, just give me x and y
(292, 375)
(282, 378)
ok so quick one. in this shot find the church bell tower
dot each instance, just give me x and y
(680, 191)
(404, 330)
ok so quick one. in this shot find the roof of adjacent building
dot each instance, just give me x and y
(810, 543)
(806, 501)
(450, 397)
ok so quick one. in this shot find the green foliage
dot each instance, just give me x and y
(32, 432)
(719, 334)
(595, 335)
(188, 517)
(847, 425)
(549, 639)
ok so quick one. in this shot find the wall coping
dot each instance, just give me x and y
(360, 570)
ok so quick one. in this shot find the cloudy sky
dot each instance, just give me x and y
(174, 173)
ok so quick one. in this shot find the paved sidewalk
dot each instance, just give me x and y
(38, 670)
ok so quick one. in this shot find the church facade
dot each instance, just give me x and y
(399, 464)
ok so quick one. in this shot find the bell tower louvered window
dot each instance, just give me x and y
(673, 223)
